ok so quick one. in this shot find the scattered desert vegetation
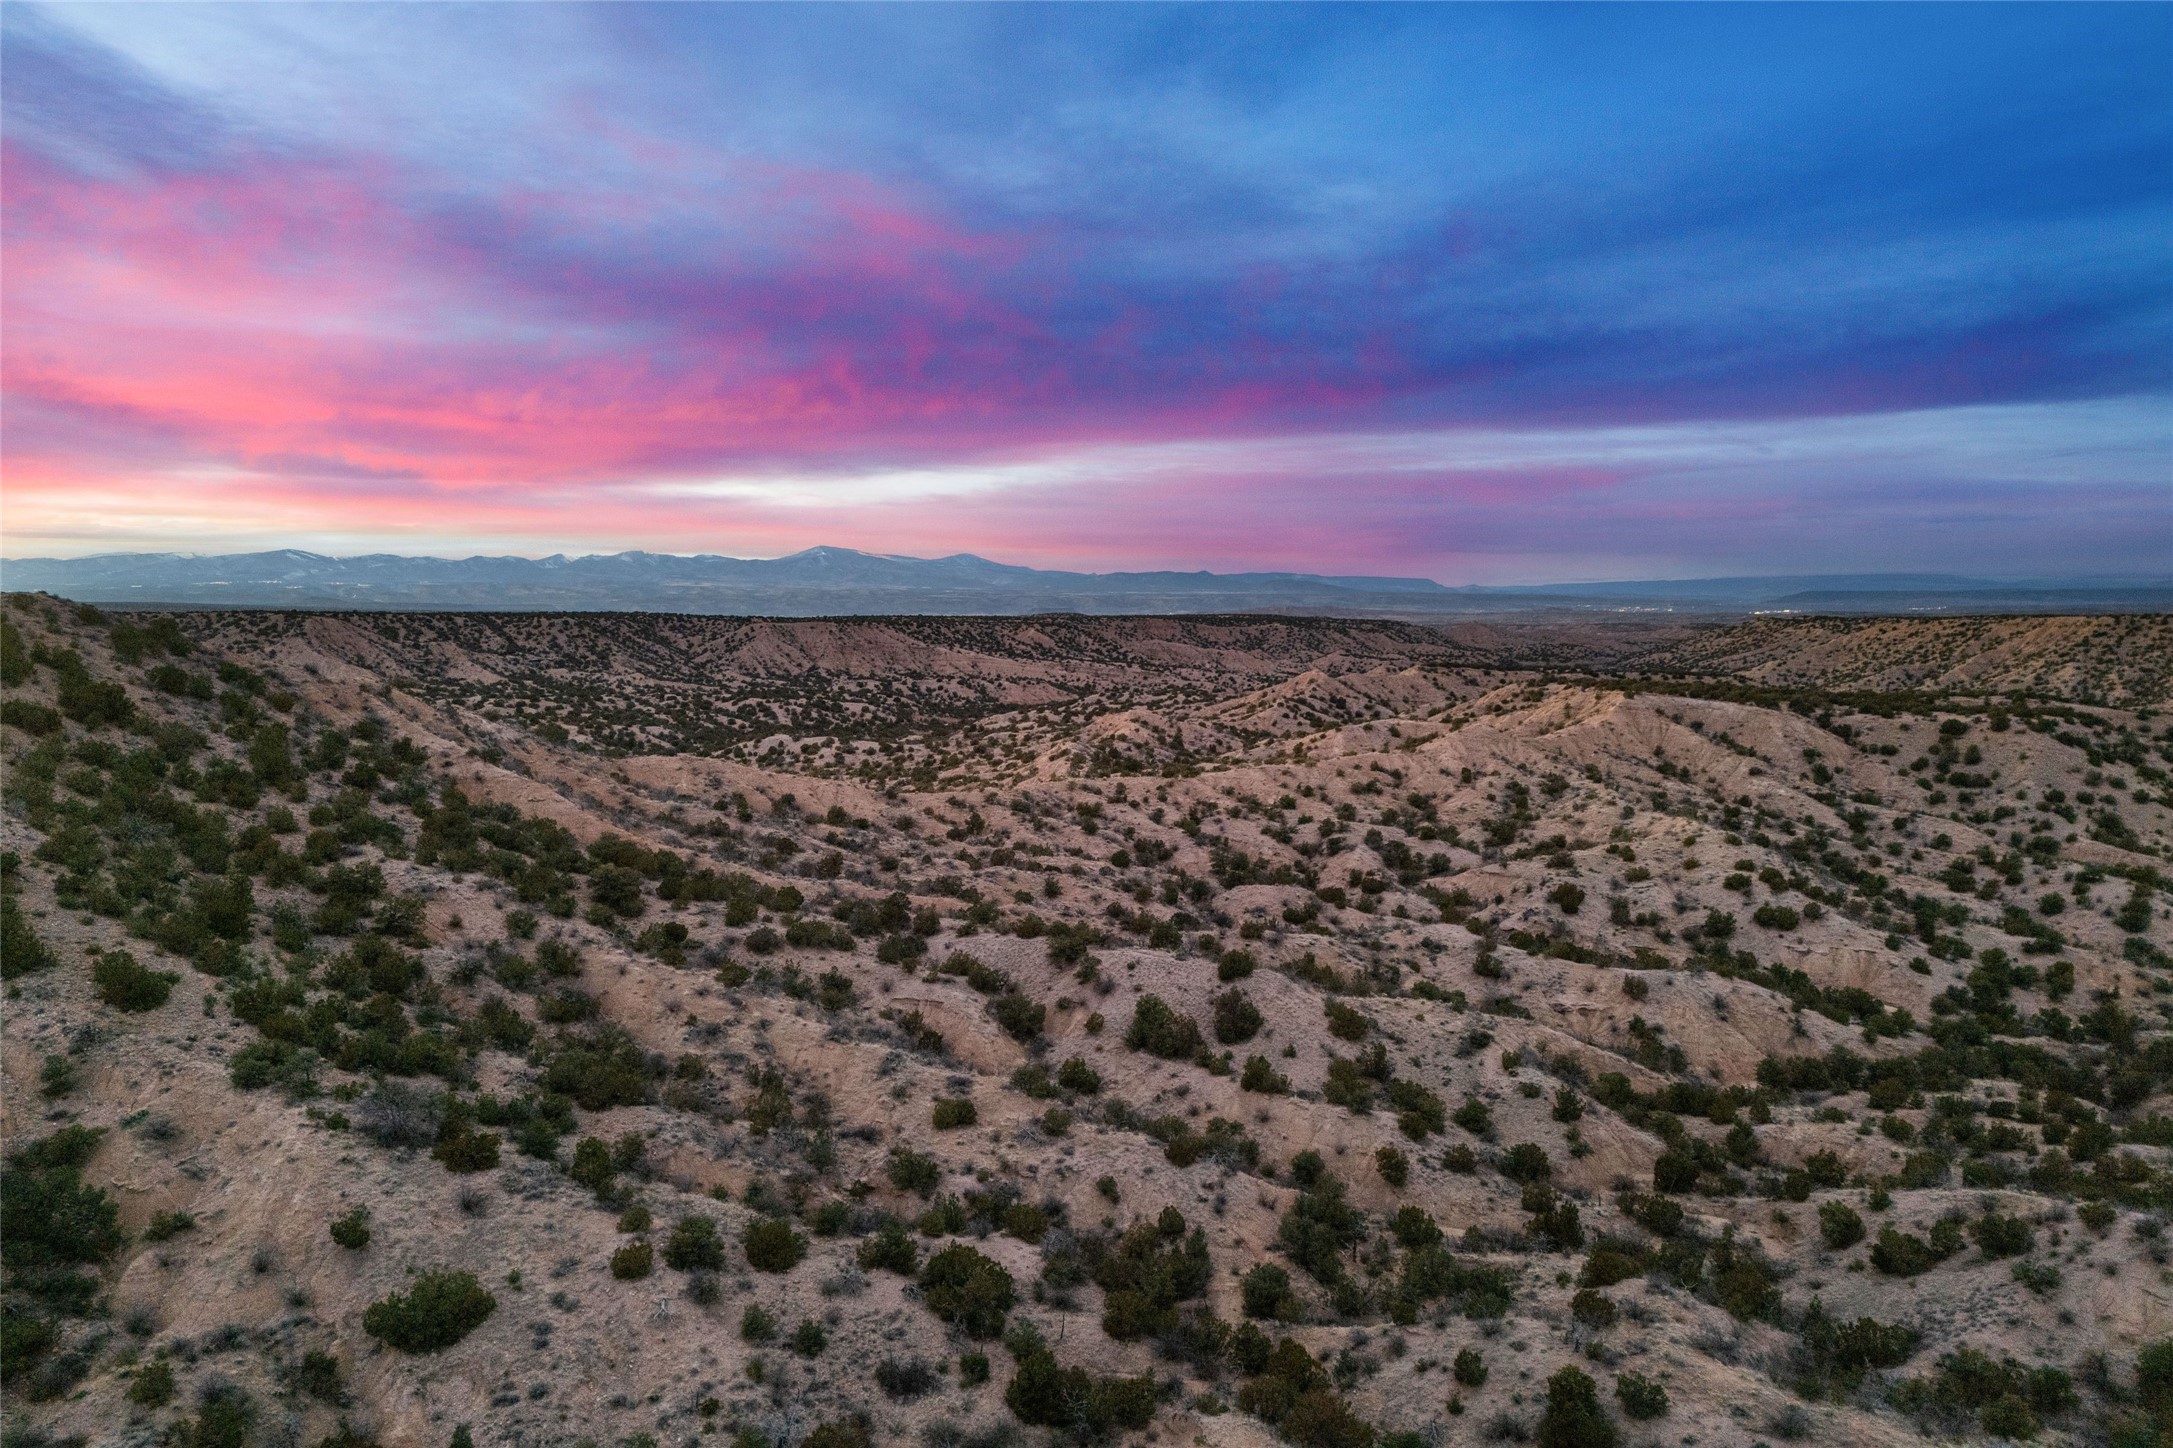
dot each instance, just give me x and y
(2124, 660)
(628, 1030)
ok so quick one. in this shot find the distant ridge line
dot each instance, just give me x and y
(847, 582)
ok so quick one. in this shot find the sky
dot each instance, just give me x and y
(1481, 294)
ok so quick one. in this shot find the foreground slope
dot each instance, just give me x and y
(1238, 1029)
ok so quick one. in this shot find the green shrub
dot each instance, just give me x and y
(944, 1218)
(1020, 1016)
(53, 1219)
(1592, 1308)
(1393, 1165)
(1470, 1368)
(557, 959)
(1046, 1394)
(809, 1339)
(2154, 1375)
(1555, 1218)
(274, 1063)
(438, 1310)
(952, 1112)
(772, 1245)
(1743, 1282)
(1285, 1373)
(2001, 1236)
(2009, 1416)
(604, 1070)
(1611, 1261)
(592, 1166)
(894, 949)
(1026, 1221)
(1267, 1293)
(1839, 1225)
(829, 1219)
(1945, 1238)
(154, 1384)
(225, 1418)
(1901, 1254)
(167, 1224)
(1041, 1392)
(1345, 1023)
(1640, 1396)
(1567, 897)
(1237, 1019)
(1076, 1075)
(1776, 917)
(616, 890)
(1573, 1416)
(26, 1336)
(1249, 1349)
(21, 951)
(972, 1292)
(1261, 1076)
(31, 718)
(94, 703)
(890, 1249)
(566, 1006)
(127, 986)
(694, 1245)
(1318, 1226)
(1526, 1162)
(1413, 1227)
(1161, 1030)
(1322, 1419)
(757, 1324)
(2008, 1399)
(1674, 1171)
(1840, 1353)
(1420, 1112)
(318, 1374)
(912, 1171)
(633, 1261)
(468, 1151)
(352, 1231)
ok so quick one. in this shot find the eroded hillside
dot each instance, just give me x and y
(2124, 660)
(649, 683)
(427, 1029)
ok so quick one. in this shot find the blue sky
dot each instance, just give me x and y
(1481, 293)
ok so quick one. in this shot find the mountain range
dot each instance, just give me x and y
(844, 581)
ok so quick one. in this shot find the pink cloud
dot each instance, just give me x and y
(293, 307)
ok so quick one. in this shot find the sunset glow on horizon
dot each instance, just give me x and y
(1472, 293)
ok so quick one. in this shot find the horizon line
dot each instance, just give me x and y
(2105, 579)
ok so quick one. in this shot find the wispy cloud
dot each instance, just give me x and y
(1439, 291)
